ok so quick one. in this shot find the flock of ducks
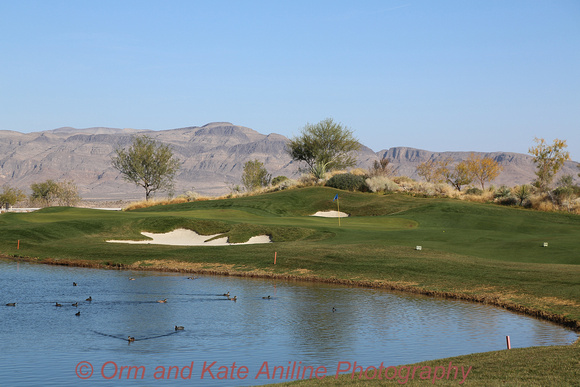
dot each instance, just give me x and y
(131, 339)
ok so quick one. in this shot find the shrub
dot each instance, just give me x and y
(503, 192)
(359, 172)
(347, 182)
(508, 200)
(278, 179)
(286, 184)
(474, 191)
(442, 189)
(522, 193)
(402, 179)
(381, 183)
(190, 196)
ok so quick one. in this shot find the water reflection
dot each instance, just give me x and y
(43, 344)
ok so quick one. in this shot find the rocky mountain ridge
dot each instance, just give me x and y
(212, 157)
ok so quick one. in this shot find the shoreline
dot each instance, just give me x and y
(224, 270)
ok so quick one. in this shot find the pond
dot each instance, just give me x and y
(299, 329)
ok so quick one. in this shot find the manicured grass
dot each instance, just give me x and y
(536, 366)
(473, 251)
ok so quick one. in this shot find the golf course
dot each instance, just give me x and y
(523, 260)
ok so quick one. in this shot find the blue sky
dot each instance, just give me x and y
(437, 75)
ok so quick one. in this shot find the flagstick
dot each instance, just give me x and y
(338, 207)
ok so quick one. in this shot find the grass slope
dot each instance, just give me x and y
(473, 251)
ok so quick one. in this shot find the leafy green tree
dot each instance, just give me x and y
(548, 159)
(50, 192)
(324, 147)
(43, 193)
(147, 163)
(10, 196)
(255, 175)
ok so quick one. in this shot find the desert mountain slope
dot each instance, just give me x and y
(212, 158)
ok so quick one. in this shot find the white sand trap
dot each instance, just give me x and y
(331, 214)
(183, 237)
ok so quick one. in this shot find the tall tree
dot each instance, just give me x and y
(324, 146)
(43, 193)
(548, 159)
(255, 175)
(458, 176)
(483, 169)
(147, 163)
(50, 192)
(10, 196)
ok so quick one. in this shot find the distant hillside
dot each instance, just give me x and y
(212, 158)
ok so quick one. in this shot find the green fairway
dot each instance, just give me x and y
(467, 248)
(472, 251)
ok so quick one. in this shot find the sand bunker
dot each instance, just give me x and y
(183, 237)
(331, 214)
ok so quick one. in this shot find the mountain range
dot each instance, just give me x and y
(212, 159)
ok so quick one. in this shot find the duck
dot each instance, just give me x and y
(78, 313)
(163, 301)
(89, 299)
(266, 298)
(75, 304)
(57, 304)
(333, 309)
(226, 294)
(191, 278)
(130, 339)
(11, 304)
(179, 328)
(74, 284)
(131, 279)
(234, 298)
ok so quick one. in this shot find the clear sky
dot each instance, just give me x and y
(438, 75)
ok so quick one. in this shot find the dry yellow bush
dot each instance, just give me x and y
(359, 172)
(158, 202)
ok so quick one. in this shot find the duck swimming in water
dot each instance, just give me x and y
(130, 339)
(266, 298)
(179, 328)
(75, 304)
(11, 304)
(57, 304)
(89, 299)
(163, 301)
(78, 313)
(226, 294)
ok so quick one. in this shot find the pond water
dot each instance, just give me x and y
(42, 344)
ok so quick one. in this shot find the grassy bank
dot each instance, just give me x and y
(471, 251)
(537, 366)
